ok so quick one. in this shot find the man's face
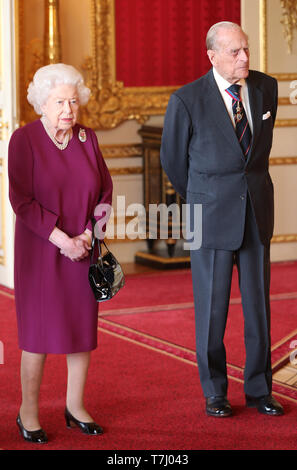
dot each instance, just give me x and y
(231, 56)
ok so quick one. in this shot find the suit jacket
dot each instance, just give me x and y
(203, 159)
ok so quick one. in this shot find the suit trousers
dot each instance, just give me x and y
(212, 271)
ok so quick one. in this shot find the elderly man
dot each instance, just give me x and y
(215, 150)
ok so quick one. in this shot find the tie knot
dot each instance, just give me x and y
(234, 91)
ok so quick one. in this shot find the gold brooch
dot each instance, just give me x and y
(82, 135)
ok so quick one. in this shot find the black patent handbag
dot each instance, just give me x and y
(106, 276)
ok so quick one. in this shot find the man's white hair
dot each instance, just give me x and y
(48, 77)
(211, 37)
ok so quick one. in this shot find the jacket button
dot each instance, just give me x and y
(242, 197)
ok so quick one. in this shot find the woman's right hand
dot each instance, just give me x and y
(75, 248)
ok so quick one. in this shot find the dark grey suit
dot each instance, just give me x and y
(203, 159)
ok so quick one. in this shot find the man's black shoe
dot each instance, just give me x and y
(266, 405)
(218, 407)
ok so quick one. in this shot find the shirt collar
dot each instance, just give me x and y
(224, 84)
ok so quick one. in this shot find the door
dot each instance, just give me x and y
(8, 123)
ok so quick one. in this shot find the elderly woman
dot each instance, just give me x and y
(57, 177)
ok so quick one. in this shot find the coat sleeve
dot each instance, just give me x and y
(21, 189)
(175, 141)
(105, 198)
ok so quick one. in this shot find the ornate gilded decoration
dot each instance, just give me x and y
(52, 40)
(111, 103)
(289, 20)
(38, 52)
(264, 61)
(3, 126)
(33, 60)
(264, 42)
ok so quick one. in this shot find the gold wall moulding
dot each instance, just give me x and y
(112, 103)
(285, 122)
(284, 77)
(283, 161)
(127, 170)
(121, 150)
(284, 238)
(284, 101)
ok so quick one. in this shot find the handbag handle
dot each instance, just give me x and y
(98, 243)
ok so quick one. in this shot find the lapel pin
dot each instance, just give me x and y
(82, 135)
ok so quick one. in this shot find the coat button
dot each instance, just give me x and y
(242, 197)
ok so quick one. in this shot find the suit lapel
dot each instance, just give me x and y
(222, 119)
(220, 114)
(256, 106)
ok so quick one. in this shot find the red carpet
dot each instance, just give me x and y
(143, 384)
(173, 321)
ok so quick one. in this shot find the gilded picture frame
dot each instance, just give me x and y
(112, 103)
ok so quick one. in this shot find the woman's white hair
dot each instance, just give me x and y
(48, 77)
(211, 37)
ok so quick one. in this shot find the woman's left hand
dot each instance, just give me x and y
(86, 243)
(78, 248)
(86, 236)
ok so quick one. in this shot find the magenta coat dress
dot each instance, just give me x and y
(48, 187)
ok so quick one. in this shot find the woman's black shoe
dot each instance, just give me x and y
(36, 437)
(86, 428)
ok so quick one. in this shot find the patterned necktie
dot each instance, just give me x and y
(242, 127)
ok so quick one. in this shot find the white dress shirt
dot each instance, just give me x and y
(223, 85)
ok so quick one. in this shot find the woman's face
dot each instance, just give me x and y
(61, 107)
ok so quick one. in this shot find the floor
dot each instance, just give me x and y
(286, 375)
(135, 268)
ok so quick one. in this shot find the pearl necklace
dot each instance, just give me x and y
(60, 146)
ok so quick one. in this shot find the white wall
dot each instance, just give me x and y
(278, 62)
